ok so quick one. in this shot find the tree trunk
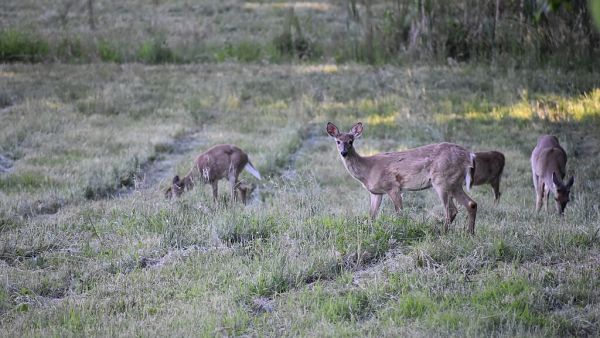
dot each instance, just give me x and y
(495, 32)
(90, 5)
(370, 52)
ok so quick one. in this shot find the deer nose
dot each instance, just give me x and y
(344, 153)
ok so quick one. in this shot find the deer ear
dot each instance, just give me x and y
(570, 183)
(332, 130)
(357, 130)
(168, 193)
(176, 180)
(556, 181)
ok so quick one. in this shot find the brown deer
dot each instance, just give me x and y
(221, 161)
(548, 167)
(488, 169)
(443, 166)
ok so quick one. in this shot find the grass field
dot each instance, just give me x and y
(89, 246)
(85, 252)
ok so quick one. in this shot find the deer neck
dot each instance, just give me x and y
(549, 183)
(188, 181)
(547, 177)
(356, 165)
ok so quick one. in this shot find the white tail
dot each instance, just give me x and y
(548, 168)
(469, 172)
(443, 166)
(221, 161)
(250, 168)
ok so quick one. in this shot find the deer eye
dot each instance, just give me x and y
(350, 142)
(338, 142)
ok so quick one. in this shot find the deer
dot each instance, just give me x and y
(548, 168)
(218, 162)
(443, 166)
(489, 166)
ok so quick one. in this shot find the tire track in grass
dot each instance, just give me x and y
(311, 135)
(154, 172)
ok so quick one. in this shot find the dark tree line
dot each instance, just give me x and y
(536, 31)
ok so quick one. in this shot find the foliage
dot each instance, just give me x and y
(21, 46)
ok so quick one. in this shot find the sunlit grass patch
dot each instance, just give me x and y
(319, 69)
(550, 108)
(319, 6)
(557, 108)
(376, 120)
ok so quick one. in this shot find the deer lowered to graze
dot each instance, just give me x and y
(443, 166)
(488, 169)
(548, 167)
(221, 161)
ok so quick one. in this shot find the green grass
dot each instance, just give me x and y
(85, 253)
(18, 45)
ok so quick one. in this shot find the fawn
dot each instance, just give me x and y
(221, 161)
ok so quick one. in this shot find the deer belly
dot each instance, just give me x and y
(416, 184)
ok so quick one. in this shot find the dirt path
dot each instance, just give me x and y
(151, 174)
(311, 136)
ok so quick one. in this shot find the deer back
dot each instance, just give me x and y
(416, 169)
(217, 162)
(548, 157)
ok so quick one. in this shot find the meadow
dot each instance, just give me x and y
(89, 246)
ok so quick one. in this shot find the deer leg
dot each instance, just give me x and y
(445, 199)
(215, 189)
(232, 184)
(471, 206)
(243, 192)
(375, 203)
(453, 210)
(547, 193)
(396, 196)
(539, 195)
(496, 186)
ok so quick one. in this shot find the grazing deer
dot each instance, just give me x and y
(443, 166)
(548, 167)
(488, 169)
(221, 161)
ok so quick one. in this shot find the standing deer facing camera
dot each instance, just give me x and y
(548, 167)
(221, 161)
(443, 166)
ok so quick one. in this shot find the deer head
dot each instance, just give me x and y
(562, 192)
(345, 141)
(176, 189)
